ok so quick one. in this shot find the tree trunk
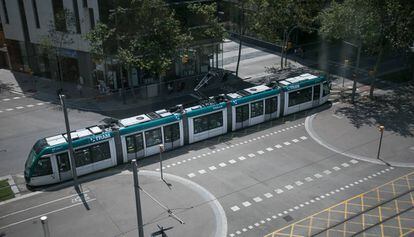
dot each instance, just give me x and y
(374, 75)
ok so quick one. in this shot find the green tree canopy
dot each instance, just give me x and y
(376, 24)
(144, 34)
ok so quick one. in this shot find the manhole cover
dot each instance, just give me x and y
(288, 218)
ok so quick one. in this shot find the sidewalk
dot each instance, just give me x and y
(352, 130)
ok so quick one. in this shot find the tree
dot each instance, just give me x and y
(376, 24)
(143, 34)
(59, 35)
(273, 20)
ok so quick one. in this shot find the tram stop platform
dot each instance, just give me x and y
(353, 130)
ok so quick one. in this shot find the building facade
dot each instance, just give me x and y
(41, 41)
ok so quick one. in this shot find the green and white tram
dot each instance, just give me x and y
(103, 146)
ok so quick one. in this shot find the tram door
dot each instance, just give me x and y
(242, 116)
(64, 166)
(316, 95)
(171, 136)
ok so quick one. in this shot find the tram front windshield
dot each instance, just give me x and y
(37, 148)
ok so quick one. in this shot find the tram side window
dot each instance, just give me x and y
(256, 108)
(171, 132)
(271, 105)
(100, 152)
(43, 167)
(316, 92)
(200, 124)
(134, 143)
(300, 96)
(208, 122)
(83, 157)
(153, 137)
(326, 89)
(242, 113)
(63, 162)
(216, 120)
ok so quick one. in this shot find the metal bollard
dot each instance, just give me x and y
(45, 226)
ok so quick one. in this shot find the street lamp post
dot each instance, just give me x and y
(381, 129)
(137, 199)
(70, 146)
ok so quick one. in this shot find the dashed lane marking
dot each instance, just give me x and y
(209, 153)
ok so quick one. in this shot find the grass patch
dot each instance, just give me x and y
(398, 77)
(5, 191)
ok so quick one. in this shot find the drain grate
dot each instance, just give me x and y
(288, 218)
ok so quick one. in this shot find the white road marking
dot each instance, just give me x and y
(251, 155)
(298, 183)
(353, 161)
(327, 172)
(317, 175)
(336, 168)
(43, 204)
(41, 103)
(246, 204)
(278, 146)
(45, 214)
(235, 208)
(345, 164)
(19, 107)
(10, 109)
(295, 140)
(260, 152)
(232, 161)
(6, 99)
(212, 167)
(278, 191)
(287, 143)
(191, 175)
(303, 138)
(16, 98)
(202, 171)
(269, 149)
(242, 158)
(268, 195)
(308, 179)
(222, 164)
(257, 199)
(289, 187)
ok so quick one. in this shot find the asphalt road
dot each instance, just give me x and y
(24, 120)
(263, 178)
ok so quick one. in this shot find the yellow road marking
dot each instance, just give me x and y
(347, 202)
